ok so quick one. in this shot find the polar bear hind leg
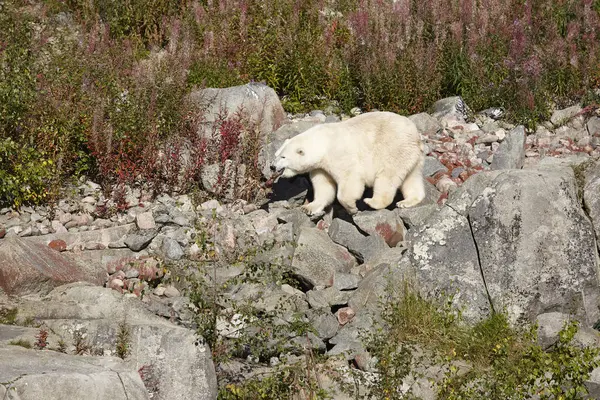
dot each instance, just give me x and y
(324, 190)
(384, 191)
(349, 192)
(413, 187)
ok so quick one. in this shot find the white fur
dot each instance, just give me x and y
(381, 150)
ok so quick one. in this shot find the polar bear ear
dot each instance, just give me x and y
(300, 152)
(278, 152)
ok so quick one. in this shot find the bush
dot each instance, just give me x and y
(502, 362)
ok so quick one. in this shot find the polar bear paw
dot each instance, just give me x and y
(313, 210)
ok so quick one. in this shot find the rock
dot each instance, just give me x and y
(223, 180)
(511, 153)
(444, 257)
(591, 197)
(344, 315)
(181, 362)
(426, 124)
(324, 322)
(560, 117)
(449, 109)
(317, 258)
(257, 102)
(446, 184)
(139, 240)
(328, 297)
(276, 139)
(382, 223)
(550, 324)
(531, 223)
(343, 281)
(145, 221)
(104, 236)
(28, 267)
(432, 166)
(383, 280)
(32, 375)
(414, 216)
(58, 245)
(171, 249)
(593, 126)
(346, 234)
(171, 291)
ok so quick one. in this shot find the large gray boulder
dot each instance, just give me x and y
(317, 258)
(256, 102)
(181, 362)
(49, 375)
(536, 245)
(517, 238)
(28, 267)
(591, 195)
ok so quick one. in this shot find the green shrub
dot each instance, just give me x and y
(25, 173)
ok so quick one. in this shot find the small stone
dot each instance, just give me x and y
(171, 291)
(159, 291)
(2, 233)
(138, 241)
(116, 284)
(344, 315)
(172, 249)
(445, 184)
(145, 220)
(132, 273)
(58, 245)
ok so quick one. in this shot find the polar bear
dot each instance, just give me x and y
(379, 149)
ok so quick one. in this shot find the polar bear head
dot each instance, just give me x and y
(298, 155)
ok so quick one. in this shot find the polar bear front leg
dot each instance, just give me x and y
(324, 189)
(349, 193)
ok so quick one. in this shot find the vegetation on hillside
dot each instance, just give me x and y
(99, 87)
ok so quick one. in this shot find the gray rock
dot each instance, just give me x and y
(257, 102)
(414, 216)
(342, 281)
(327, 297)
(550, 324)
(224, 181)
(560, 117)
(28, 267)
(449, 108)
(33, 375)
(535, 245)
(432, 166)
(324, 322)
(102, 236)
(591, 196)
(145, 221)
(593, 126)
(382, 223)
(317, 258)
(139, 240)
(425, 123)
(511, 153)
(381, 281)
(444, 257)
(171, 249)
(182, 363)
(346, 234)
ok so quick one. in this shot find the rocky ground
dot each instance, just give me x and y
(510, 221)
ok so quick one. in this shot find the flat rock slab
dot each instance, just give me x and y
(29, 267)
(35, 375)
(181, 362)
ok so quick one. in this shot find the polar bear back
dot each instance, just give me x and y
(369, 144)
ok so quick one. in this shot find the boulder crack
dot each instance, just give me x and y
(487, 292)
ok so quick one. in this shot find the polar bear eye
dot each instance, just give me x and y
(300, 151)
